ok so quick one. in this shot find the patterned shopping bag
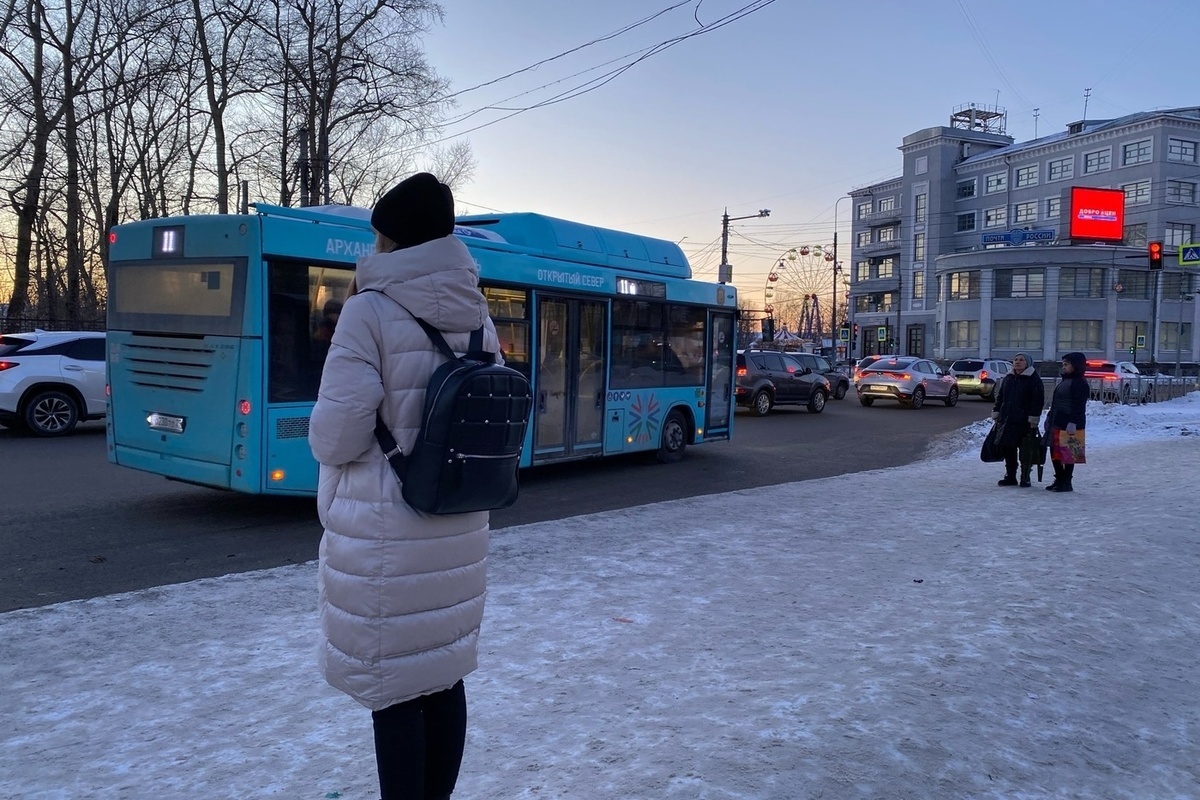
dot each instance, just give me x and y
(1069, 447)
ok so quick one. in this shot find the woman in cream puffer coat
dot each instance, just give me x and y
(401, 592)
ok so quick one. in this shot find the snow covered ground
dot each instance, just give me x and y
(915, 632)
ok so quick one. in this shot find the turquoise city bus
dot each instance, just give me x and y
(218, 328)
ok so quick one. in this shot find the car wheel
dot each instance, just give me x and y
(918, 398)
(761, 404)
(816, 403)
(1125, 394)
(952, 398)
(866, 401)
(840, 392)
(674, 438)
(51, 413)
(1149, 397)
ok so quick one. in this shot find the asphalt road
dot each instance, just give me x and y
(74, 526)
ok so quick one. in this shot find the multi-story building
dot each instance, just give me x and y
(928, 278)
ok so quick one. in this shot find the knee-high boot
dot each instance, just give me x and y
(1064, 481)
(1058, 470)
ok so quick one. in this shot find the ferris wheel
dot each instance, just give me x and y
(799, 289)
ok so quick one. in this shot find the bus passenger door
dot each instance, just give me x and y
(570, 377)
(720, 378)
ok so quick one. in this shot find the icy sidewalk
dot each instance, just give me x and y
(925, 634)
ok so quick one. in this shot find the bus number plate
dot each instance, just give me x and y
(165, 422)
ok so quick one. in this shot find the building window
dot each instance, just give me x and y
(1135, 284)
(1181, 192)
(1175, 285)
(1098, 161)
(1137, 194)
(878, 301)
(995, 217)
(862, 271)
(889, 234)
(1061, 169)
(1081, 282)
(966, 222)
(1136, 234)
(964, 285)
(1181, 150)
(864, 238)
(863, 210)
(1178, 234)
(887, 204)
(1080, 334)
(918, 247)
(964, 189)
(1053, 204)
(1027, 176)
(1136, 153)
(1017, 334)
(1020, 282)
(922, 165)
(886, 268)
(921, 208)
(918, 285)
(1025, 212)
(1126, 332)
(996, 183)
(963, 333)
(1170, 335)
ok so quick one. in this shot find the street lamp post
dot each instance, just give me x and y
(725, 271)
(837, 265)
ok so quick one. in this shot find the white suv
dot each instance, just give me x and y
(50, 380)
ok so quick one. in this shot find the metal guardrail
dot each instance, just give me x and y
(1132, 389)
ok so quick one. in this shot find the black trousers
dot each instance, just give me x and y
(1010, 463)
(419, 745)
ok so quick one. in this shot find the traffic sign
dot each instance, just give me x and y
(881, 334)
(1189, 253)
(844, 333)
(1141, 341)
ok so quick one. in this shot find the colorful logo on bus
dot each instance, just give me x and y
(644, 418)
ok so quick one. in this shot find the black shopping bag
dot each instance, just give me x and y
(991, 451)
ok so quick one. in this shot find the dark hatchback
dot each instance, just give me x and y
(767, 378)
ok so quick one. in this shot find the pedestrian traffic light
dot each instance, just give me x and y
(1132, 351)
(1155, 254)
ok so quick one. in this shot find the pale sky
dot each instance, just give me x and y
(787, 108)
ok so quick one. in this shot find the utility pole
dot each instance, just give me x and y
(725, 271)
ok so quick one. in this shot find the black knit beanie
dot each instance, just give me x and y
(419, 209)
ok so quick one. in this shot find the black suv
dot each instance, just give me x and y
(767, 378)
(839, 382)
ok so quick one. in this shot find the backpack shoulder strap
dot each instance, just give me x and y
(433, 333)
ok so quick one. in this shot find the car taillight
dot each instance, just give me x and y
(7, 365)
(741, 372)
(983, 374)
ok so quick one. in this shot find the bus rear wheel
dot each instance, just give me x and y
(674, 438)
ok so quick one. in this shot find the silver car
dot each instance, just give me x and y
(907, 379)
(980, 376)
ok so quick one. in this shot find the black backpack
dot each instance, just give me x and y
(473, 425)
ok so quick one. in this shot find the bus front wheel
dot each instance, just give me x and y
(674, 438)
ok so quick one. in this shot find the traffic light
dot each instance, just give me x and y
(856, 330)
(768, 329)
(1132, 351)
(1154, 253)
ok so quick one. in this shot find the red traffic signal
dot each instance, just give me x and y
(1154, 251)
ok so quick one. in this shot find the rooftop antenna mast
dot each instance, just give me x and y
(1036, 113)
(1086, 94)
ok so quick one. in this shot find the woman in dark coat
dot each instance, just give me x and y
(1019, 408)
(1068, 412)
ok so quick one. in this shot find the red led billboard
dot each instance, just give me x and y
(1097, 215)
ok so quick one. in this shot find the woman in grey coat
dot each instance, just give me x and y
(401, 593)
